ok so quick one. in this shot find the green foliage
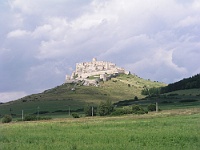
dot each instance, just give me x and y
(137, 109)
(122, 111)
(75, 115)
(105, 108)
(88, 111)
(188, 83)
(151, 107)
(7, 119)
(136, 98)
(151, 92)
(30, 118)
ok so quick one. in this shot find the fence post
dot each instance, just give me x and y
(22, 115)
(156, 106)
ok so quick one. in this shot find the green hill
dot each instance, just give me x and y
(74, 97)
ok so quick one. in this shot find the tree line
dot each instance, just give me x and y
(187, 83)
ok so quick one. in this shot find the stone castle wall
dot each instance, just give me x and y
(85, 69)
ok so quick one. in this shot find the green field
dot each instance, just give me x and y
(174, 130)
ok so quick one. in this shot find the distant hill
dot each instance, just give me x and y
(187, 83)
(76, 96)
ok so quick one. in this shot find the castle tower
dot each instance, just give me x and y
(107, 65)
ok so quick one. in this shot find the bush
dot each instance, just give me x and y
(142, 112)
(135, 98)
(7, 119)
(88, 111)
(122, 111)
(30, 118)
(151, 107)
(137, 109)
(105, 108)
(75, 115)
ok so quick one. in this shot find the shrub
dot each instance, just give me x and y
(30, 118)
(135, 98)
(105, 108)
(117, 112)
(142, 112)
(151, 107)
(137, 109)
(88, 111)
(7, 119)
(122, 111)
(75, 115)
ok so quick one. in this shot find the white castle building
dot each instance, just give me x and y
(101, 68)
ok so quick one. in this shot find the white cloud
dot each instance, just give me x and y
(159, 65)
(196, 5)
(9, 96)
(189, 21)
(42, 31)
(18, 33)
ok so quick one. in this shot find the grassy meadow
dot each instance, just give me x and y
(175, 130)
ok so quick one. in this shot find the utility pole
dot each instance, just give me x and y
(22, 115)
(38, 112)
(69, 110)
(92, 111)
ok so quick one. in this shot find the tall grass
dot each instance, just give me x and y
(128, 132)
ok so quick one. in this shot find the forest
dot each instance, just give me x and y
(187, 83)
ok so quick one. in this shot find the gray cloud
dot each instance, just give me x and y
(42, 40)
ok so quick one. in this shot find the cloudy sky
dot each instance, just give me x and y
(41, 40)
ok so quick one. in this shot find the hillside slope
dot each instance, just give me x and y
(62, 97)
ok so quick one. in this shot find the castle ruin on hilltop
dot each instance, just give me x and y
(94, 68)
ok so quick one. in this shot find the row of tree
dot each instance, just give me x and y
(187, 83)
(107, 108)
